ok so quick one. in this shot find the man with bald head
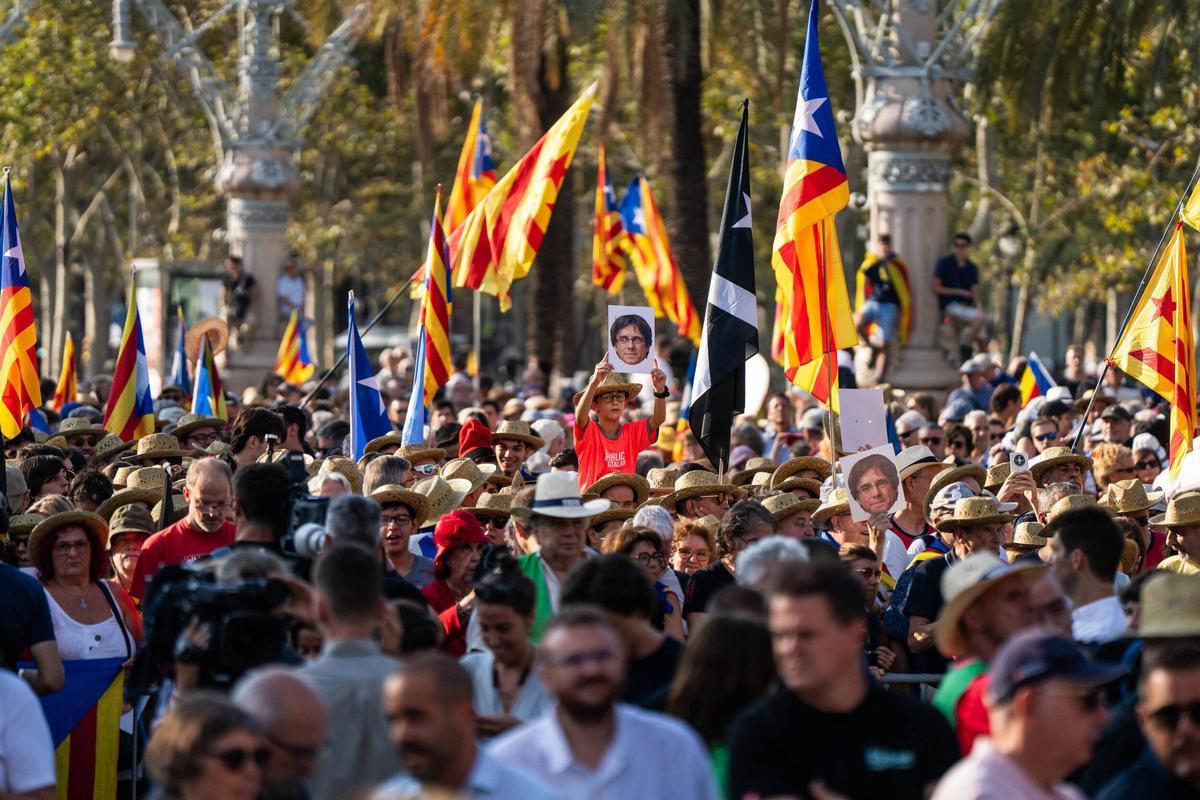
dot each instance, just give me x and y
(294, 722)
(209, 495)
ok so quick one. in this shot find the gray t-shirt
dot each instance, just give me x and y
(421, 574)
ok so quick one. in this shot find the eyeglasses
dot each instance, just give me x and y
(611, 397)
(685, 554)
(495, 522)
(577, 660)
(86, 441)
(1168, 717)
(867, 572)
(1046, 437)
(628, 340)
(202, 438)
(932, 440)
(298, 752)
(399, 520)
(214, 506)
(1147, 465)
(996, 437)
(236, 758)
(426, 469)
(66, 547)
(649, 558)
(721, 498)
(958, 444)
(905, 434)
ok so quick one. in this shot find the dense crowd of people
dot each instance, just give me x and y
(562, 597)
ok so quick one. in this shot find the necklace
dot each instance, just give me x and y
(82, 602)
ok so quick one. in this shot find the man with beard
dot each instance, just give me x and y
(209, 494)
(432, 725)
(591, 746)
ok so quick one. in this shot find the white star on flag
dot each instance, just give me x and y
(639, 218)
(806, 118)
(744, 222)
(373, 384)
(19, 256)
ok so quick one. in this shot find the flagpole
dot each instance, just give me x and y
(477, 317)
(1134, 300)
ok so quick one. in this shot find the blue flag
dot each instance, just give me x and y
(368, 417)
(179, 364)
(414, 419)
(38, 421)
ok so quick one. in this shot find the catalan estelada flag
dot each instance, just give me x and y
(897, 276)
(85, 727)
(208, 395)
(1035, 381)
(476, 172)
(292, 362)
(499, 239)
(65, 391)
(130, 410)
(645, 243)
(608, 262)
(805, 256)
(1156, 347)
(20, 382)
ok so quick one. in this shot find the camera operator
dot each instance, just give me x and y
(296, 423)
(262, 509)
(249, 434)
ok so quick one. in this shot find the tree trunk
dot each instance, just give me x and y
(61, 254)
(687, 214)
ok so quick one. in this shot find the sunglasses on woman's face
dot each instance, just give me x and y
(1049, 436)
(1148, 465)
(236, 758)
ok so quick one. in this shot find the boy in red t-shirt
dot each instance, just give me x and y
(608, 446)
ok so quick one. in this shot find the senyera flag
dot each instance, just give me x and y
(20, 383)
(805, 257)
(499, 239)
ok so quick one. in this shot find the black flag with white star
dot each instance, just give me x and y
(730, 335)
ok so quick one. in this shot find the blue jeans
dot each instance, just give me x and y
(885, 315)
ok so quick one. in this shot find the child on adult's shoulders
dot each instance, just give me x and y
(605, 445)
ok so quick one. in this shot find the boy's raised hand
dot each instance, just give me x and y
(657, 377)
(602, 369)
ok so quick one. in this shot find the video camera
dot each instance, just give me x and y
(244, 633)
(305, 537)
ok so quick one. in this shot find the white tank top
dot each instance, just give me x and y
(107, 639)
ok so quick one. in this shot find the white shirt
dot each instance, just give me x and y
(489, 777)
(990, 775)
(895, 558)
(532, 701)
(651, 756)
(290, 289)
(26, 751)
(1099, 621)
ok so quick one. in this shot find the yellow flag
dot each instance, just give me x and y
(1191, 209)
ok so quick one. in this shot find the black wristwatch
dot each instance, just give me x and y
(665, 394)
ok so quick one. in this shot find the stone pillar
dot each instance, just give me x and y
(910, 125)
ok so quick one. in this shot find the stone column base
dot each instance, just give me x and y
(921, 368)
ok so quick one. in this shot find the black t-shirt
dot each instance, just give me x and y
(889, 747)
(703, 585)
(953, 276)
(396, 588)
(880, 281)
(25, 620)
(237, 293)
(649, 679)
(925, 600)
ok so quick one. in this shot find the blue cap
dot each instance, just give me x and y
(1040, 655)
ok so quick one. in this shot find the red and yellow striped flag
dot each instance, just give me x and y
(608, 265)
(499, 239)
(20, 383)
(130, 410)
(805, 256)
(65, 391)
(289, 363)
(1156, 348)
(645, 243)
(436, 306)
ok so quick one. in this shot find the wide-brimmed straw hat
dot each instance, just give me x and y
(794, 465)
(965, 582)
(612, 383)
(953, 475)
(837, 502)
(971, 512)
(604, 517)
(1026, 536)
(519, 430)
(158, 446)
(130, 519)
(557, 495)
(1072, 502)
(420, 452)
(912, 460)
(94, 524)
(217, 331)
(1057, 456)
(997, 474)
(394, 493)
(71, 428)
(662, 480)
(695, 483)
(753, 467)
(110, 446)
(23, 524)
(144, 485)
(444, 495)
(1129, 497)
(1105, 396)
(639, 485)
(467, 470)
(194, 422)
(785, 505)
(1183, 510)
(346, 468)
(1168, 608)
(496, 506)
(389, 439)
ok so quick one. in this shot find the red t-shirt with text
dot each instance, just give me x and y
(598, 455)
(176, 544)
